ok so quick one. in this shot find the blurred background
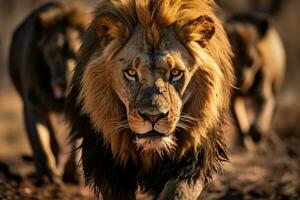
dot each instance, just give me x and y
(271, 172)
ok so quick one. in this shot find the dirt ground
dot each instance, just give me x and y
(270, 171)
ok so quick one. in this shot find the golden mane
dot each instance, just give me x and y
(99, 101)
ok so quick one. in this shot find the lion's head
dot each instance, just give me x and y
(153, 77)
(60, 30)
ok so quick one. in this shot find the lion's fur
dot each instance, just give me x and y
(93, 101)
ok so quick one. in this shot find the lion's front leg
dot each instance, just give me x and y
(182, 190)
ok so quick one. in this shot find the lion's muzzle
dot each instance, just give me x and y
(152, 112)
(155, 133)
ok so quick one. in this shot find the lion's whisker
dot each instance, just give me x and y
(187, 117)
(184, 126)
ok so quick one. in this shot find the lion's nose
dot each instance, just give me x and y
(153, 118)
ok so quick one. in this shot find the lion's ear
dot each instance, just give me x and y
(108, 29)
(200, 30)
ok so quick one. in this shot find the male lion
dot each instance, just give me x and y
(42, 48)
(259, 67)
(149, 97)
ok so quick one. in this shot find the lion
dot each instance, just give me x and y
(149, 98)
(259, 67)
(42, 51)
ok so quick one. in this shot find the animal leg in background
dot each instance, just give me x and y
(40, 140)
(53, 141)
(241, 118)
(266, 105)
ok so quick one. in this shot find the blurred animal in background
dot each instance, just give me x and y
(259, 64)
(42, 54)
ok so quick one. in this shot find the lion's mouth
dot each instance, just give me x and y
(151, 134)
(155, 141)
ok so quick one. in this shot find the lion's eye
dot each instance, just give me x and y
(130, 74)
(176, 74)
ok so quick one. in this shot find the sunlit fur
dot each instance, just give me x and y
(203, 113)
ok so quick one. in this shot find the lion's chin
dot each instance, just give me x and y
(159, 145)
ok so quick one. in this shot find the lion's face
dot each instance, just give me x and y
(153, 86)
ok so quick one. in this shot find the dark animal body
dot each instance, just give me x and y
(259, 67)
(142, 124)
(42, 50)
